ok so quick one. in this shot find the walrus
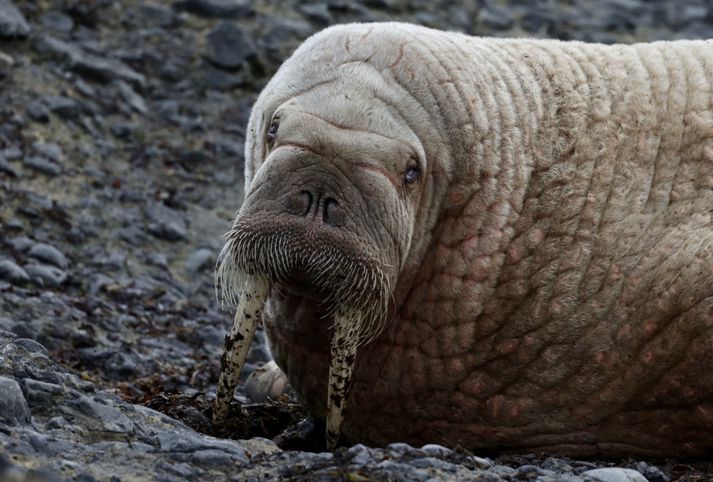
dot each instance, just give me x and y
(499, 244)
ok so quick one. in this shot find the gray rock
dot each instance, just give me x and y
(37, 111)
(199, 260)
(317, 13)
(165, 222)
(102, 69)
(13, 406)
(215, 78)
(155, 15)
(229, 46)
(6, 168)
(496, 17)
(43, 165)
(11, 272)
(21, 243)
(614, 474)
(12, 22)
(216, 8)
(50, 150)
(39, 394)
(64, 107)
(49, 254)
(131, 97)
(179, 441)
(44, 275)
(435, 450)
(31, 346)
(57, 21)
(110, 417)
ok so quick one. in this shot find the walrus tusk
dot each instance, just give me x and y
(342, 357)
(237, 342)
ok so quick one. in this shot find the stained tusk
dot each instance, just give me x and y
(343, 355)
(237, 342)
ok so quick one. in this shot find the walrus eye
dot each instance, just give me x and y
(411, 175)
(272, 133)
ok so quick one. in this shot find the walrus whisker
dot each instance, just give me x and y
(237, 342)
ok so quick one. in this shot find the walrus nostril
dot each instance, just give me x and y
(329, 203)
(308, 204)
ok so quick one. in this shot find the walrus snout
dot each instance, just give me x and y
(315, 205)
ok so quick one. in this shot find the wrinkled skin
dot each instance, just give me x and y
(551, 268)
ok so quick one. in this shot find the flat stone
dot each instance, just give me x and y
(50, 150)
(12, 22)
(57, 21)
(614, 474)
(13, 406)
(44, 275)
(199, 260)
(188, 442)
(64, 107)
(165, 222)
(131, 97)
(38, 111)
(6, 168)
(43, 165)
(40, 393)
(99, 68)
(229, 46)
(496, 17)
(216, 8)
(49, 254)
(9, 271)
(111, 418)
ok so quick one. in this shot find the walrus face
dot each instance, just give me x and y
(330, 211)
(329, 216)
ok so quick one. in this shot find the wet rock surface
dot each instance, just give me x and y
(122, 126)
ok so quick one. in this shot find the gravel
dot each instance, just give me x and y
(122, 129)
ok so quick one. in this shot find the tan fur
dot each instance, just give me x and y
(554, 287)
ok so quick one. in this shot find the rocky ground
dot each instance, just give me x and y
(121, 136)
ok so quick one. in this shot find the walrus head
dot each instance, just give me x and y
(333, 178)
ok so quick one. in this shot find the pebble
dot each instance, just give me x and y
(37, 111)
(43, 165)
(316, 12)
(199, 260)
(9, 271)
(216, 8)
(229, 46)
(614, 474)
(44, 275)
(12, 22)
(50, 150)
(49, 254)
(111, 418)
(165, 222)
(64, 107)
(495, 17)
(98, 68)
(131, 97)
(13, 406)
(6, 168)
(57, 21)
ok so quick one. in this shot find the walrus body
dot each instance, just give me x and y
(540, 213)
